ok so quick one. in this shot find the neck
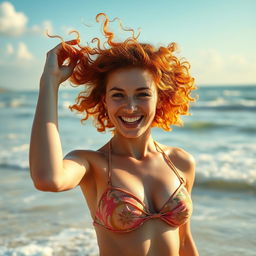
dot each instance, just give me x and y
(133, 147)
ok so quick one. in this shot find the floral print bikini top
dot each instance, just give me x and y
(120, 211)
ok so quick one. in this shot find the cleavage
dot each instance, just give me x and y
(148, 192)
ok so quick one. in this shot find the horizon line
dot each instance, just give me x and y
(64, 87)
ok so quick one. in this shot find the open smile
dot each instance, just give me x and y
(131, 121)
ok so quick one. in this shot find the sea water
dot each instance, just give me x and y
(220, 134)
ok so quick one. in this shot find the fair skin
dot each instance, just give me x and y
(131, 100)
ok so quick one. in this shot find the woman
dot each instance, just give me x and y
(137, 191)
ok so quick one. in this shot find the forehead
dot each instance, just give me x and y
(130, 78)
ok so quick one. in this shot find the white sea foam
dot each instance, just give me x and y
(29, 199)
(12, 136)
(20, 152)
(231, 93)
(71, 242)
(235, 165)
(214, 103)
(14, 103)
(222, 102)
(27, 250)
(23, 147)
(247, 103)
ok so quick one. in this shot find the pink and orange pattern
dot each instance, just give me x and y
(120, 211)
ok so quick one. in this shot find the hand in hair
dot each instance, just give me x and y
(60, 62)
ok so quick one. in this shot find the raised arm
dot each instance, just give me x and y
(48, 170)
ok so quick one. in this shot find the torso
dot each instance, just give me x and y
(152, 181)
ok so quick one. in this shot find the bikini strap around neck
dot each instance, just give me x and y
(109, 162)
(182, 180)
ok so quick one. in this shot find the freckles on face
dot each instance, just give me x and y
(131, 98)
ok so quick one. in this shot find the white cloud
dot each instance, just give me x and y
(23, 52)
(16, 55)
(211, 59)
(41, 29)
(12, 23)
(47, 25)
(210, 66)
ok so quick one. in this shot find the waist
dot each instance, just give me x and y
(152, 238)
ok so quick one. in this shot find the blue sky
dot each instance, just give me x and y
(217, 37)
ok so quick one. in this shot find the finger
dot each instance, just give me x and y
(68, 70)
(65, 51)
(61, 52)
(72, 64)
(58, 48)
(57, 54)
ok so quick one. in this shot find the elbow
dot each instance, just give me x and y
(46, 185)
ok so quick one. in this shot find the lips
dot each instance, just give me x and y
(131, 121)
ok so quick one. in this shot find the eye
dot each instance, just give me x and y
(144, 94)
(117, 95)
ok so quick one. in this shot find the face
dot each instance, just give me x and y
(131, 99)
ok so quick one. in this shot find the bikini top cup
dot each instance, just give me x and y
(121, 211)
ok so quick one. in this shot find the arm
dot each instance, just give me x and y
(187, 244)
(48, 170)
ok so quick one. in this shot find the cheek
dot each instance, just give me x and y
(152, 105)
(111, 108)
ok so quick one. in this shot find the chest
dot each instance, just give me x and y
(153, 181)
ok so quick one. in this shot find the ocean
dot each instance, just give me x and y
(220, 134)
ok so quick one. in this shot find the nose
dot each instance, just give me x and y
(131, 106)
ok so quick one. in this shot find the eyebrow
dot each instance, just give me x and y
(138, 89)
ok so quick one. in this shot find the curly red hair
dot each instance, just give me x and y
(170, 74)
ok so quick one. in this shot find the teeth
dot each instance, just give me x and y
(130, 119)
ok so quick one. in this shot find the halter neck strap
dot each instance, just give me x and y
(109, 162)
(167, 158)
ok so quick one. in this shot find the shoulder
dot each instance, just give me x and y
(182, 159)
(185, 163)
(85, 158)
(186, 160)
(89, 163)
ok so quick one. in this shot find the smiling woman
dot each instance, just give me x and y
(138, 191)
(170, 74)
(131, 106)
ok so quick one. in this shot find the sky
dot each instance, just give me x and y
(217, 37)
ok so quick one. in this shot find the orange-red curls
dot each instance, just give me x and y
(68, 53)
(171, 75)
(109, 35)
(71, 42)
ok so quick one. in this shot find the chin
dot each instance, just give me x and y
(132, 134)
